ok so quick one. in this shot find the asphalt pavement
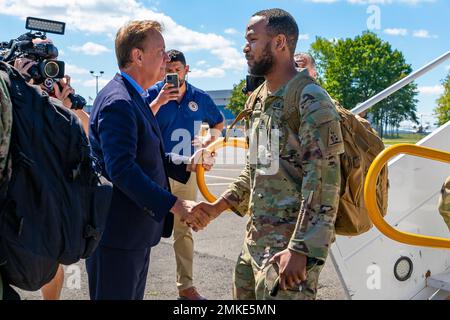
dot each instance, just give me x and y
(216, 251)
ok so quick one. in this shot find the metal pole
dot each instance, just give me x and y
(400, 84)
(96, 80)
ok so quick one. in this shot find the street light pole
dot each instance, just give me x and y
(96, 79)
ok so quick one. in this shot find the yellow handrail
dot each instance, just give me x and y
(371, 201)
(213, 147)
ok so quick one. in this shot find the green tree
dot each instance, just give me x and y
(353, 70)
(238, 98)
(443, 109)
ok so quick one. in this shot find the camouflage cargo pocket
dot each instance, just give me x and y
(307, 290)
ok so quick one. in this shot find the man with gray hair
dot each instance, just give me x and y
(305, 60)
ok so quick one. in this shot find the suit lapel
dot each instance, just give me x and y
(148, 114)
(141, 104)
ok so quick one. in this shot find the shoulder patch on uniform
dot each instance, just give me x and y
(315, 91)
(334, 137)
(307, 97)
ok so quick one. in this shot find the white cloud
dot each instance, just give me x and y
(73, 69)
(431, 90)
(201, 63)
(209, 73)
(386, 2)
(415, 2)
(396, 31)
(106, 16)
(90, 48)
(231, 31)
(303, 37)
(382, 2)
(92, 83)
(423, 34)
(322, 1)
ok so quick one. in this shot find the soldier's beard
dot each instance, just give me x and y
(264, 65)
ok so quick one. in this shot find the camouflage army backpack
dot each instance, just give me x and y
(444, 202)
(361, 144)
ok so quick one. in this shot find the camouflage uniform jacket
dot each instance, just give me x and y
(292, 202)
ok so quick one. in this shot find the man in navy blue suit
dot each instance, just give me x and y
(126, 140)
(179, 117)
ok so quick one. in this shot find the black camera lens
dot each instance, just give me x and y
(51, 69)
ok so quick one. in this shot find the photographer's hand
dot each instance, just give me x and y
(63, 94)
(23, 65)
(166, 94)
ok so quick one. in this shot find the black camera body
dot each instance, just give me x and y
(44, 54)
(47, 69)
(47, 66)
(252, 82)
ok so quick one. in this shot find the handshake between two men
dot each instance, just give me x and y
(199, 215)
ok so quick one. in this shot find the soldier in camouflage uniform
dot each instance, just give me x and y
(444, 202)
(293, 200)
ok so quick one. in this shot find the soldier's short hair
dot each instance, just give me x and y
(175, 55)
(133, 35)
(280, 21)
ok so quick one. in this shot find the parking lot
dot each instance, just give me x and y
(216, 251)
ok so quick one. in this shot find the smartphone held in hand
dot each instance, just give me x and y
(172, 78)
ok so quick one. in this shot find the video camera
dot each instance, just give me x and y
(48, 70)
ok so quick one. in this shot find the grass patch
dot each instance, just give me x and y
(403, 138)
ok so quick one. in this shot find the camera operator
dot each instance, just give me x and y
(61, 90)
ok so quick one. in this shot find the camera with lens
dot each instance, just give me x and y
(47, 69)
(252, 82)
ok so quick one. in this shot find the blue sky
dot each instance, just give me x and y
(211, 33)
